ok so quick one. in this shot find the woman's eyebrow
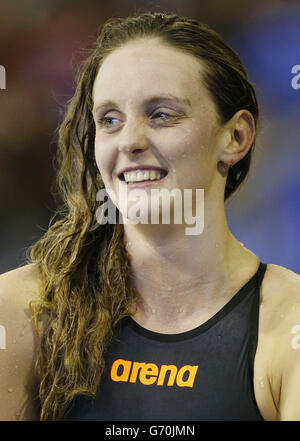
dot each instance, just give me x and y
(149, 101)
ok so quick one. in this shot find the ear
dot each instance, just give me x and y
(240, 134)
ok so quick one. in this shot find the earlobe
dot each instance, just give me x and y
(223, 168)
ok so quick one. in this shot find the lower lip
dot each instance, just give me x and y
(143, 183)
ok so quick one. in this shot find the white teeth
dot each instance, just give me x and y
(142, 175)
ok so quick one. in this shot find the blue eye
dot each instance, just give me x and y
(105, 119)
(162, 113)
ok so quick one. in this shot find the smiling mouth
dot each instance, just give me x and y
(163, 174)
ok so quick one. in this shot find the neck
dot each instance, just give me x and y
(179, 276)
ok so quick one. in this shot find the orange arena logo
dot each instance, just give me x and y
(150, 373)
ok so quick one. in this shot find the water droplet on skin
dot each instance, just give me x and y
(242, 244)
(261, 383)
(10, 390)
(16, 367)
(219, 336)
(14, 341)
(217, 245)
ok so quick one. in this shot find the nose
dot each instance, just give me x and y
(133, 138)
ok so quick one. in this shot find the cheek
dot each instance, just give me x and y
(195, 154)
(203, 136)
(194, 144)
(104, 158)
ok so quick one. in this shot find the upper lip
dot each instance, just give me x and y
(141, 167)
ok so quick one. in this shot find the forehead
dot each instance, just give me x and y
(148, 66)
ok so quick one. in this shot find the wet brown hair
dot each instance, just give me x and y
(84, 267)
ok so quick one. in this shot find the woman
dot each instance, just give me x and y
(142, 316)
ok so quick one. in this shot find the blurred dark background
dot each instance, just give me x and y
(41, 43)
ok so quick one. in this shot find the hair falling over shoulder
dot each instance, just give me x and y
(84, 267)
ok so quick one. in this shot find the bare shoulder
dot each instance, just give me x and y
(278, 355)
(18, 344)
(278, 273)
(25, 277)
(280, 304)
(280, 291)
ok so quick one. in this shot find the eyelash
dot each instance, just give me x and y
(105, 118)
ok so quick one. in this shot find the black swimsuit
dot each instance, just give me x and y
(205, 374)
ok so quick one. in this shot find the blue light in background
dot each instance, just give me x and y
(269, 48)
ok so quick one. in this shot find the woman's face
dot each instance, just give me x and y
(158, 114)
